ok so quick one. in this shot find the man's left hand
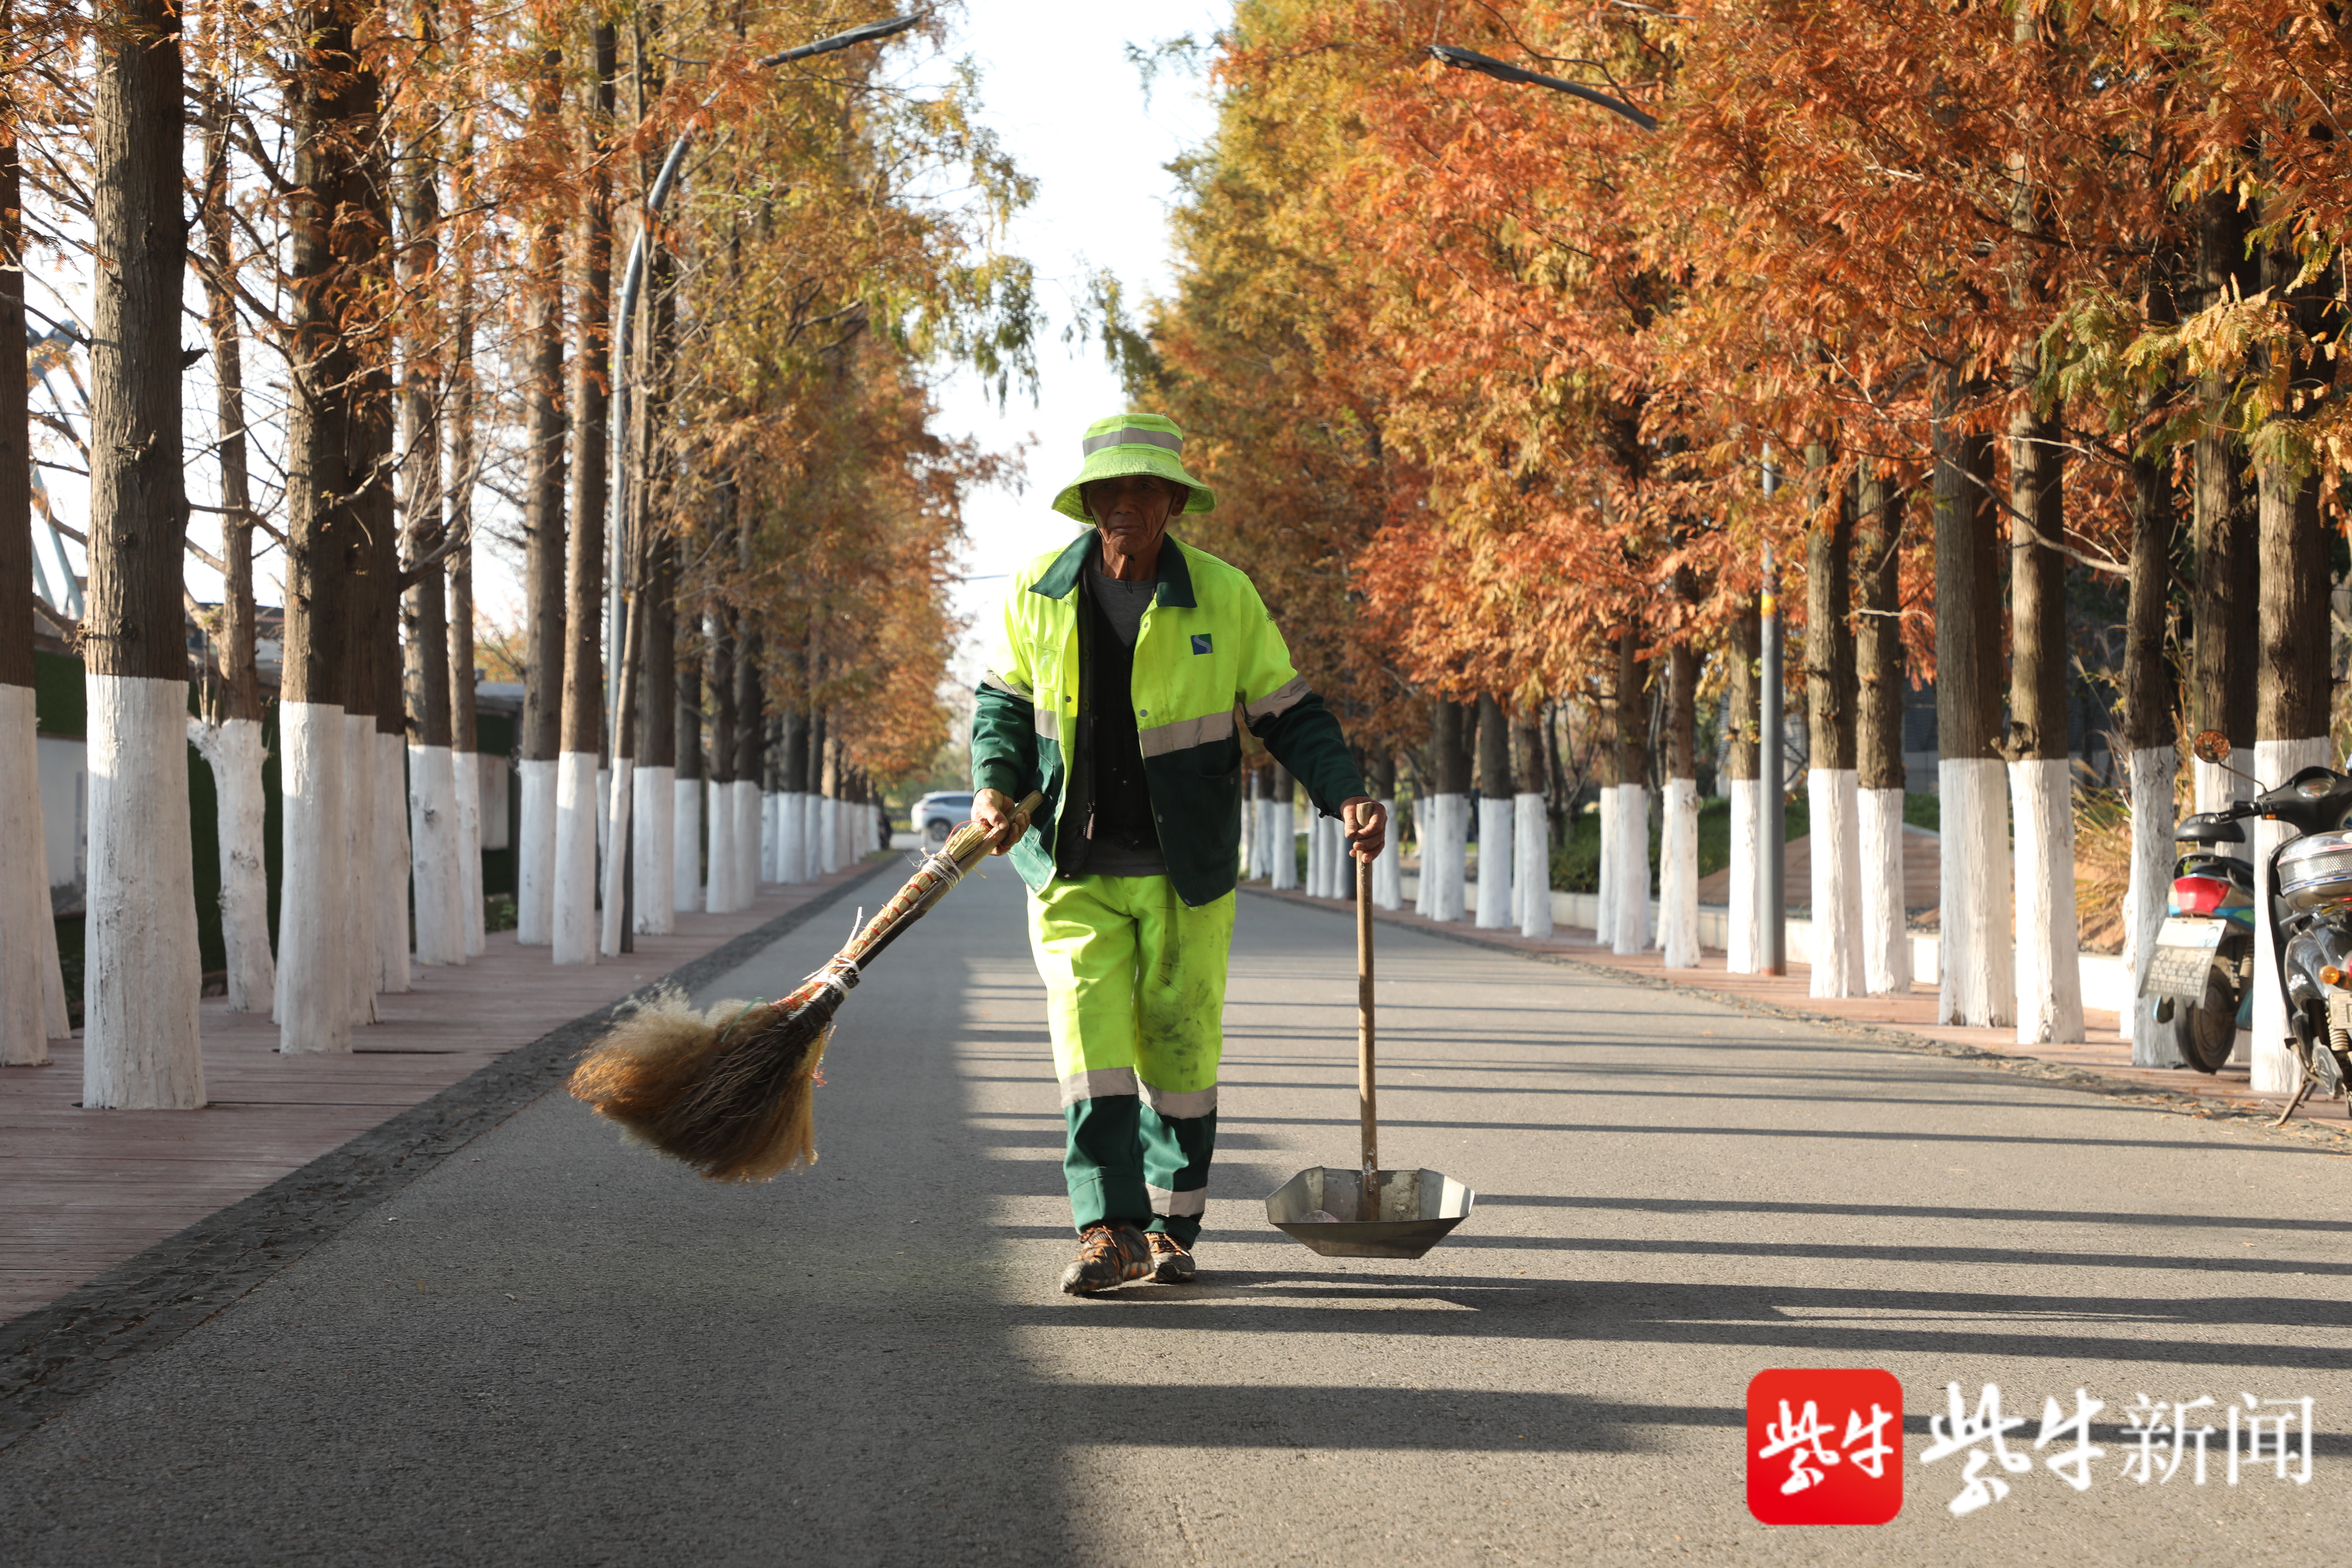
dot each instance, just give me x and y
(1367, 823)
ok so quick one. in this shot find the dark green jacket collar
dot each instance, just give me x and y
(1175, 573)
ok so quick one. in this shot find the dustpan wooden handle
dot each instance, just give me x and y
(1364, 1105)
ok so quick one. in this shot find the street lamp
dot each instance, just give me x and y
(1771, 890)
(621, 635)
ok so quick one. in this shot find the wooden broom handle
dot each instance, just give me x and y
(1364, 1106)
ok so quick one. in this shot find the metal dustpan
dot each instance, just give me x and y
(1324, 1205)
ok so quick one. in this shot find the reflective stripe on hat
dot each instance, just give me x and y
(1131, 435)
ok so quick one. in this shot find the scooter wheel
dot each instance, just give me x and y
(2206, 1031)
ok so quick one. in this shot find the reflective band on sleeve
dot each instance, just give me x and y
(1279, 700)
(1161, 739)
(996, 682)
(1102, 1083)
(1047, 722)
(1177, 1204)
(1181, 1107)
(1131, 435)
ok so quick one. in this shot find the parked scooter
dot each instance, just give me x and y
(2199, 975)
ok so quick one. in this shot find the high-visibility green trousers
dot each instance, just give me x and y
(1135, 991)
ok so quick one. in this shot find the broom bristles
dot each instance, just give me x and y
(729, 1091)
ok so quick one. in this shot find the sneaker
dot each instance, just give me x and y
(1108, 1256)
(1171, 1264)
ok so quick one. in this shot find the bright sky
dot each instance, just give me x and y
(1071, 111)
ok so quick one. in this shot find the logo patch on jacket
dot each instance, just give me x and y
(1200, 642)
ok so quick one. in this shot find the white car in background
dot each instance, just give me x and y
(934, 815)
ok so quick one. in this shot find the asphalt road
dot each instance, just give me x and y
(555, 1349)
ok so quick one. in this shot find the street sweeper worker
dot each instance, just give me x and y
(1121, 667)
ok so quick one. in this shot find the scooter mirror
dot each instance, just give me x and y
(2211, 746)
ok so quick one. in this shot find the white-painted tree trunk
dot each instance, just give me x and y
(24, 905)
(1678, 875)
(576, 832)
(53, 981)
(603, 819)
(829, 835)
(719, 892)
(1449, 848)
(1286, 858)
(1314, 884)
(1837, 881)
(1495, 864)
(433, 854)
(1388, 866)
(686, 847)
(2154, 772)
(535, 855)
(1264, 851)
(1632, 932)
(2049, 939)
(657, 798)
(747, 841)
(799, 866)
(466, 781)
(1531, 844)
(1338, 869)
(2272, 1068)
(1742, 945)
(233, 751)
(1978, 987)
(392, 859)
(619, 804)
(1604, 919)
(1885, 923)
(314, 896)
(1248, 868)
(141, 974)
(1426, 884)
(360, 839)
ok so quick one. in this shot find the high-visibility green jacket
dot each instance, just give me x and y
(1208, 652)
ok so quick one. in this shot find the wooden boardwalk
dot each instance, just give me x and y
(2106, 1051)
(86, 1190)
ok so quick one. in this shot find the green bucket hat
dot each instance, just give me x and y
(1132, 444)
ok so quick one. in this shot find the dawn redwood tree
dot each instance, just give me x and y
(1445, 845)
(1632, 933)
(1979, 981)
(545, 543)
(229, 736)
(141, 1049)
(1494, 813)
(1880, 508)
(1530, 824)
(573, 932)
(686, 867)
(1740, 747)
(1830, 776)
(23, 879)
(1678, 809)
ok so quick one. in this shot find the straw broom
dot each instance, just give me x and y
(733, 1091)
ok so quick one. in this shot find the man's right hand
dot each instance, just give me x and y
(993, 809)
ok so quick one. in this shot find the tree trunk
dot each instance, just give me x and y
(1445, 845)
(1495, 909)
(2225, 529)
(658, 773)
(830, 844)
(792, 857)
(433, 850)
(466, 746)
(1282, 837)
(2040, 773)
(685, 868)
(1830, 784)
(720, 704)
(141, 1050)
(2148, 728)
(1880, 676)
(1978, 985)
(1743, 950)
(751, 748)
(1678, 827)
(1388, 869)
(573, 933)
(544, 546)
(2291, 689)
(1632, 933)
(24, 905)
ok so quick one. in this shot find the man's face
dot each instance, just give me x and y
(1133, 510)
